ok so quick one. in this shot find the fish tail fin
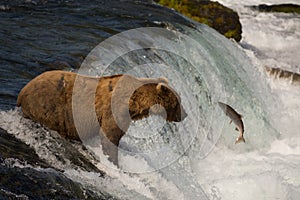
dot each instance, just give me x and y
(240, 139)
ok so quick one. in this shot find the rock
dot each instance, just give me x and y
(25, 176)
(213, 14)
(29, 183)
(277, 73)
(286, 8)
(10, 147)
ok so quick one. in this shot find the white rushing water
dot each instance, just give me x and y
(275, 36)
(199, 159)
(269, 39)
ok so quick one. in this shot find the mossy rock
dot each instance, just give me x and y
(286, 8)
(223, 19)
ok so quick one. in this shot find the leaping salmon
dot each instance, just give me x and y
(236, 118)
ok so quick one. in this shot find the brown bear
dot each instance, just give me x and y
(65, 102)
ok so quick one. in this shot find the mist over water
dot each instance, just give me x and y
(196, 158)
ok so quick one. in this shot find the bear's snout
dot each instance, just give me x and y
(183, 114)
(177, 115)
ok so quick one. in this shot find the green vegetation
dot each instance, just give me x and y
(213, 14)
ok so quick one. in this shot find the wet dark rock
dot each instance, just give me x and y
(41, 184)
(76, 158)
(12, 196)
(223, 19)
(286, 8)
(11, 147)
(25, 176)
(278, 73)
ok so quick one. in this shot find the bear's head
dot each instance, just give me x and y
(157, 99)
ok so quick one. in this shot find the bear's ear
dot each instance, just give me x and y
(163, 80)
(161, 87)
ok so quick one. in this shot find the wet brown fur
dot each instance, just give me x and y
(47, 99)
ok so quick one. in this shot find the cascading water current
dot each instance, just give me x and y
(196, 158)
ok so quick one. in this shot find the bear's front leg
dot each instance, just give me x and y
(110, 143)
